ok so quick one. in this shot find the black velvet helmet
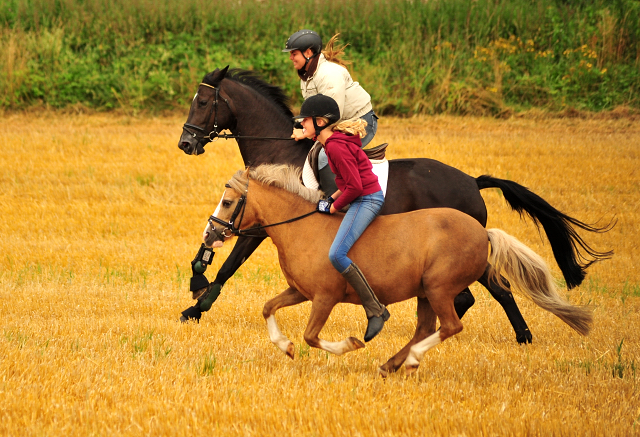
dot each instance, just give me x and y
(302, 40)
(319, 106)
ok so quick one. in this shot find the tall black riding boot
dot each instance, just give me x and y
(377, 314)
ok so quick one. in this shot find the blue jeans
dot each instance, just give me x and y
(361, 212)
(372, 127)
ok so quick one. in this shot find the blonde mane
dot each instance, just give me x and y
(282, 176)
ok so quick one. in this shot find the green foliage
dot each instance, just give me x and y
(617, 367)
(208, 365)
(453, 56)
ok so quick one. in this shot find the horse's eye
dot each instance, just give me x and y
(226, 203)
(202, 103)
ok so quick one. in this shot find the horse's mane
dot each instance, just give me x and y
(282, 176)
(273, 93)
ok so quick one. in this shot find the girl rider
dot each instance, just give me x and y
(357, 186)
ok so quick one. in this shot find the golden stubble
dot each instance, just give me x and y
(102, 214)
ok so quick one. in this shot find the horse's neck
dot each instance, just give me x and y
(275, 205)
(257, 117)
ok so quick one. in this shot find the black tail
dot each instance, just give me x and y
(567, 245)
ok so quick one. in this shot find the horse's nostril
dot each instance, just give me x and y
(186, 147)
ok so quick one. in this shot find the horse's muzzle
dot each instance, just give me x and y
(190, 145)
(212, 237)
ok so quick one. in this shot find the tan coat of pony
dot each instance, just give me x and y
(430, 254)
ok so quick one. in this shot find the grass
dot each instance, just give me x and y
(483, 57)
(94, 273)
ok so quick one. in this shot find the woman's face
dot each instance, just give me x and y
(298, 58)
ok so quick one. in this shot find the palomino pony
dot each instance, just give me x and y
(259, 117)
(430, 254)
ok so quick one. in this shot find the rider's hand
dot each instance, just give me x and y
(298, 134)
(324, 205)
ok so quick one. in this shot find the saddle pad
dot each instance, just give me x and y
(381, 169)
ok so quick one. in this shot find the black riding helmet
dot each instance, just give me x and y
(319, 106)
(302, 40)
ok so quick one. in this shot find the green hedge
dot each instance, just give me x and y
(413, 56)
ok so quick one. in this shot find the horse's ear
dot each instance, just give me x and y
(218, 75)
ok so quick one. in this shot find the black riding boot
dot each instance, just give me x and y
(377, 314)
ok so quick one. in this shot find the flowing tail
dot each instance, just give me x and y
(528, 274)
(567, 245)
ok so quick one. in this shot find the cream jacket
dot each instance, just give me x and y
(334, 80)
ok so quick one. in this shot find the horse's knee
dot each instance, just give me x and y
(266, 311)
(449, 330)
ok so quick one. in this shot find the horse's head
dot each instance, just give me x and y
(231, 212)
(209, 114)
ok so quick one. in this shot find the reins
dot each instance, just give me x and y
(214, 134)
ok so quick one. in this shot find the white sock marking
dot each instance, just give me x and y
(418, 350)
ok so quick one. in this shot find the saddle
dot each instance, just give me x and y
(374, 154)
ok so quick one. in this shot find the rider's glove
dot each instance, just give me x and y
(324, 205)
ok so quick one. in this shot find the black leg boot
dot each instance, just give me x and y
(377, 314)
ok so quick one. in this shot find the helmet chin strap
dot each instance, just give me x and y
(303, 70)
(318, 128)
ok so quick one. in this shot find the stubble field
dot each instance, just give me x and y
(102, 214)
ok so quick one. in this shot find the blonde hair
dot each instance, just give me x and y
(354, 126)
(333, 52)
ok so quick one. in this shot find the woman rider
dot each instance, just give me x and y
(357, 186)
(324, 72)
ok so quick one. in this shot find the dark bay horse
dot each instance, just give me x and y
(259, 116)
(431, 254)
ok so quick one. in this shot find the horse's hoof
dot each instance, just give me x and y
(382, 372)
(524, 338)
(183, 319)
(411, 368)
(355, 343)
(291, 349)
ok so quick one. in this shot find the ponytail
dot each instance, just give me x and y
(334, 53)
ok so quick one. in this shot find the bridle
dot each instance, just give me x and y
(230, 229)
(198, 132)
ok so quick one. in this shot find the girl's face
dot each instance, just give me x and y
(307, 126)
(298, 58)
(309, 130)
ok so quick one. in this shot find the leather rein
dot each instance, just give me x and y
(198, 132)
(231, 227)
